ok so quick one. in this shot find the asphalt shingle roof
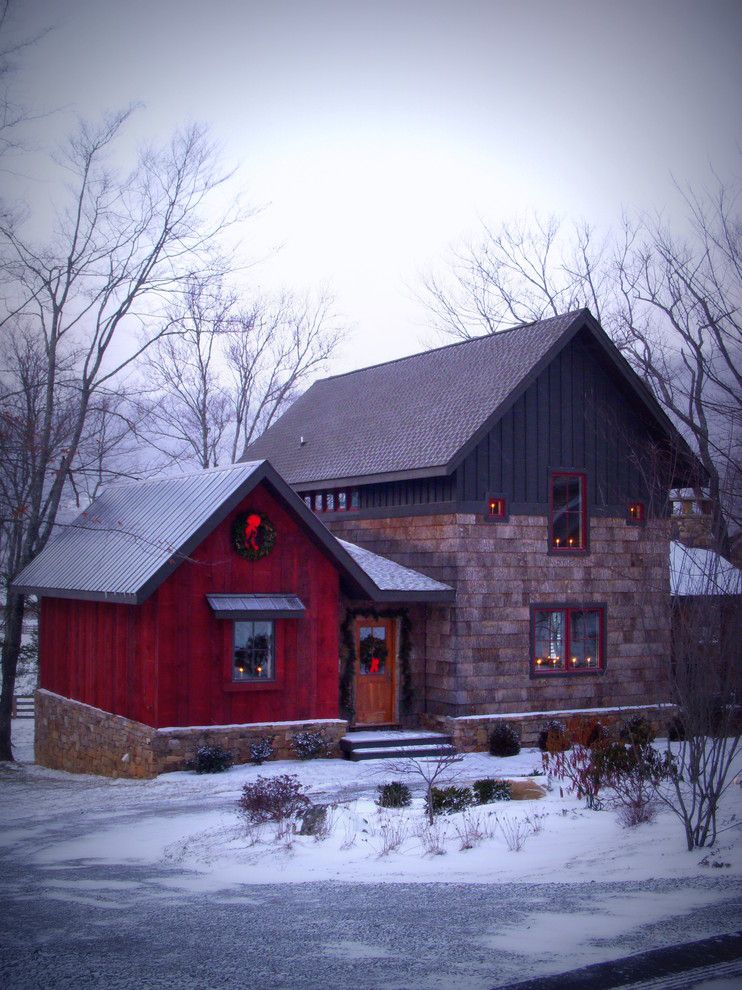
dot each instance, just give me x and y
(412, 414)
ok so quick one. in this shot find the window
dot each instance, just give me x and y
(254, 652)
(333, 500)
(568, 523)
(635, 514)
(497, 509)
(567, 639)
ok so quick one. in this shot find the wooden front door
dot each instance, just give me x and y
(376, 669)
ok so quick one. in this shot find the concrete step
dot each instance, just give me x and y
(395, 745)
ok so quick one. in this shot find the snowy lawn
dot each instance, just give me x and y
(192, 822)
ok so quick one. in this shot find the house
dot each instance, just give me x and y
(477, 532)
(530, 470)
(206, 600)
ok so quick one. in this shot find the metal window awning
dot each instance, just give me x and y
(256, 606)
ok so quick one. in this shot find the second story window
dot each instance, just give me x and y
(333, 500)
(568, 512)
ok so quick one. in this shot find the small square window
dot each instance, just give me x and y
(496, 509)
(636, 514)
(254, 652)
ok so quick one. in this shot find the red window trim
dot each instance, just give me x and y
(567, 671)
(636, 514)
(585, 543)
(502, 503)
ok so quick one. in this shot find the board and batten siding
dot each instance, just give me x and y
(577, 414)
(165, 662)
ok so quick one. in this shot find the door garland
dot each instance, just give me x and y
(348, 658)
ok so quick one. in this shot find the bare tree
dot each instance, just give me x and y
(78, 311)
(431, 770)
(672, 307)
(13, 114)
(231, 370)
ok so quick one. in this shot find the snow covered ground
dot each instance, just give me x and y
(643, 879)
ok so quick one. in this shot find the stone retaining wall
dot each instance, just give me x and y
(470, 734)
(81, 739)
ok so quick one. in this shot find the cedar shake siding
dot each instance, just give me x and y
(477, 652)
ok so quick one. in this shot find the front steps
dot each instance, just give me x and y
(395, 744)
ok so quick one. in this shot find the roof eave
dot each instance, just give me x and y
(319, 484)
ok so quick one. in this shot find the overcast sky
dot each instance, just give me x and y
(377, 133)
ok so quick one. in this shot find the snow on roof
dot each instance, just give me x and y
(694, 571)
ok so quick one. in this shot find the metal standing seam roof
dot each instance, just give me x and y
(390, 576)
(133, 536)
(695, 572)
(412, 414)
(256, 606)
(130, 532)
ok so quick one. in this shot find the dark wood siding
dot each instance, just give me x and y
(576, 414)
(419, 491)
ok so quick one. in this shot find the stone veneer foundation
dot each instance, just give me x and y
(474, 657)
(82, 739)
(471, 733)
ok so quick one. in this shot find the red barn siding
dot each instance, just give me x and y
(90, 651)
(166, 662)
(194, 647)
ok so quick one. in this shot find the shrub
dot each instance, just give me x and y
(554, 737)
(315, 822)
(311, 745)
(638, 731)
(273, 799)
(449, 800)
(210, 759)
(394, 795)
(261, 750)
(579, 768)
(488, 790)
(676, 730)
(504, 740)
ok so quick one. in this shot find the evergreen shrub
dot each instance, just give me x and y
(637, 731)
(554, 737)
(394, 795)
(210, 759)
(488, 790)
(504, 740)
(261, 750)
(449, 800)
(311, 745)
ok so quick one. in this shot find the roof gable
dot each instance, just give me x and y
(132, 537)
(420, 416)
(411, 416)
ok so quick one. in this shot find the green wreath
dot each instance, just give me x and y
(253, 535)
